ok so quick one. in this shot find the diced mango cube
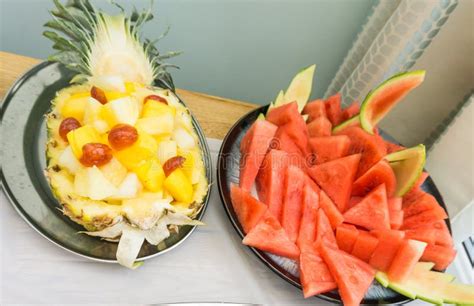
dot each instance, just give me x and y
(190, 167)
(179, 186)
(74, 107)
(151, 174)
(114, 95)
(144, 148)
(79, 137)
(156, 125)
(157, 109)
(123, 110)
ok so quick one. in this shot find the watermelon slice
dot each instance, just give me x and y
(412, 196)
(298, 132)
(300, 87)
(352, 122)
(333, 109)
(315, 109)
(394, 203)
(443, 236)
(307, 232)
(427, 216)
(396, 218)
(319, 127)
(315, 277)
(269, 236)
(270, 181)
(351, 111)
(371, 147)
(393, 147)
(405, 260)
(352, 275)
(389, 242)
(422, 204)
(254, 146)
(441, 256)
(292, 201)
(364, 246)
(421, 180)
(336, 178)
(371, 212)
(248, 209)
(427, 235)
(380, 173)
(408, 166)
(353, 201)
(383, 98)
(346, 236)
(324, 233)
(283, 114)
(329, 148)
(334, 215)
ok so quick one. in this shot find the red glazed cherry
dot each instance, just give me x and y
(156, 98)
(122, 136)
(172, 164)
(95, 154)
(98, 94)
(67, 125)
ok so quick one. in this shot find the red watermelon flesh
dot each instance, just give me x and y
(412, 196)
(315, 277)
(427, 235)
(352, 275)
(424, 175)
(427, 216)
(353, 201)
(443, 237)
(270, 181)
(405, 260)
(248, 209)
(333, 109)
(441, 256)
(371, 212)
(292, 201)
(422, 204)
(389, 242)
(319, 127)
(393, 147)
(269, 236)
(307, 232)
(283, 142)
(253, 147)
(364, 246)
(315, 109)
(329, 148)
(394, 203)
(298, 132)
(371, 147)
(396, 218)
(336, 178)
(309, 181)
(324, 233)
(380, 173)
(283, 114)
(334, 215)
(346, 235)
(350, 111)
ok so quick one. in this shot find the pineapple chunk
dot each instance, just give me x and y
(183, 138)
(144, 148)
(179, 186)
(166, 150)
(69, 161)
(161, 125)
(91, 182)
(109, 83)
(151, 174)
(114, 95)
(157, 109)
(129, 188)
(183, 119)
(92, 112)
(123, 110)
(79, 137)
(114, 171)
(190, 166)
(74, 107)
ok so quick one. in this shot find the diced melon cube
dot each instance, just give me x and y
(179, 186)
(123, 110)
(166, 150)
(90, 182)
(183, 138)
(114, 171)
(156, 125)
(129, 187)
(69, 161)
(74, 107)
(151, 174)
(144, 148)
(79, 137)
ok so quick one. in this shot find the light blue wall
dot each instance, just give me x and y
(241, 49)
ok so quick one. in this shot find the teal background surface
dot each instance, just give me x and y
(241, 49)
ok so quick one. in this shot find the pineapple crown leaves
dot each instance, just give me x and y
(74, 29)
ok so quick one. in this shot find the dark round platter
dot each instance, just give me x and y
(228, 172)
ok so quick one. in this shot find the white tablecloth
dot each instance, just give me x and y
(210, 266)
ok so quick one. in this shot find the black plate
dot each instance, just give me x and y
(228, 172)
(23, 145)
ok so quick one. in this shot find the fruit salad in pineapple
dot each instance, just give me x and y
(124, 159)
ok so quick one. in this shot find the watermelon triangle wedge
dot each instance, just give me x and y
(269, 236)
(329, 148)
(292, 201)
(307, 232)
(336, 178)
(248, 209)
(315, 277)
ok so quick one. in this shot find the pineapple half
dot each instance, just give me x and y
(129, 199)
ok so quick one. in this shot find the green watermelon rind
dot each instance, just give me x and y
(366, 124)
(418, 152)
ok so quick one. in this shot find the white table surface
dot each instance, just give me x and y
(210, 266)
